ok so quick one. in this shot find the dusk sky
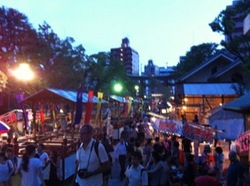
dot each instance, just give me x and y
(161, 30)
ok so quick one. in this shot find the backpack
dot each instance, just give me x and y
(107, 172)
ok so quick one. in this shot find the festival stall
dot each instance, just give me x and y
(242, 105)
(231, 124)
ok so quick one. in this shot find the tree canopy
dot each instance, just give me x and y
(225, 23)
(112, 70)
(56, 62)
(197, 55)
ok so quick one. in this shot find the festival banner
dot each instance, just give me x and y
(9, 117)
(127, 105)
(130, 99)
(99, 104)
(78, 115)
(243, 142)
(53, 112)
(42, 119)
(168, 126)
(89, 107)
(196, 132)
(19, 98)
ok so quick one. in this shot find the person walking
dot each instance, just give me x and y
(187, 148)
(15, 178)
(218, 166)
(6, 170)
(121, 155)
(31, 168)
(90, 164)
(136, 175)
(235, 171)
(156, 170)
(42, 155)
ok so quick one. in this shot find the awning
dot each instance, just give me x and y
(240, 104)
(49, 94)
(208, 89)
(119, 98)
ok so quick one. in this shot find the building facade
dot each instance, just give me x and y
(128, 56)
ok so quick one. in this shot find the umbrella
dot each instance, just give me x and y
(4, 128)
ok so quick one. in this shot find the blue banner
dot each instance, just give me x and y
(79, 109)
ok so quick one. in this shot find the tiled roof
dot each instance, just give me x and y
(240, 104)
(58, 94)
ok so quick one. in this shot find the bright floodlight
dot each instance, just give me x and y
(23, 72)
(118, 87)
(136, 87)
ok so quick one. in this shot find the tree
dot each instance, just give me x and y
(225, 23)
(112, 70)
(61, 64)
(18, 41)
(197, 55)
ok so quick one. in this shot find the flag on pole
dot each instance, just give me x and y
(99, 104)
(130, 99)
(42, 119)
(78, 115)
(89, 107)
(19, 98)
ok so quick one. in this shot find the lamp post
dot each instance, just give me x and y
(118, 87)
(23, 73)
(137, 90)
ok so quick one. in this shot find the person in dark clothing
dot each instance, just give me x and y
(187, 148)
(235, 171)
(189, 171)
(196, 119)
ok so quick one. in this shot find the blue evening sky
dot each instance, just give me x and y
(161, 30)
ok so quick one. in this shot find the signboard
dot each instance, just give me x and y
(9, 117)
(243, 142)
(169, 126)
(196, 132)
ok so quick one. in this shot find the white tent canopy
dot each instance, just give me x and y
(232, 123)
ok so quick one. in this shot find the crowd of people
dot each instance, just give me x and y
(169, 159)
(145, 160)
(30, 170)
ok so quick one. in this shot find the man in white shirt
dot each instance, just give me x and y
(90, 167)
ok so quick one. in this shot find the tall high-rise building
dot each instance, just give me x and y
(128, 56)
(238, 30)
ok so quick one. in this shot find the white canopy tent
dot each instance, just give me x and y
(231, 123)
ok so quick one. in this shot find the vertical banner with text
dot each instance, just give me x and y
(78, 115)
(89, 107)
(99, 104)
(19, 98)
